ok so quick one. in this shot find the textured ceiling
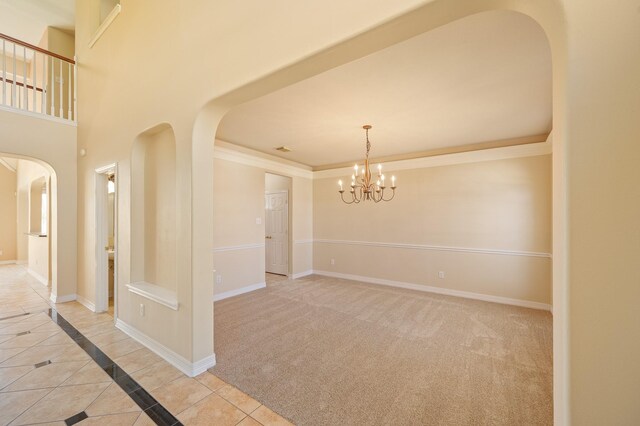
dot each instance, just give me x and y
(483, 78)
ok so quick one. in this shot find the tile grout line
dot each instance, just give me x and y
(95, 353)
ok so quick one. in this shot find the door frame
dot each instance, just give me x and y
(288, 274)
(102, 229)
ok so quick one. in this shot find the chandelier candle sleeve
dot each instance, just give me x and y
(363, 187)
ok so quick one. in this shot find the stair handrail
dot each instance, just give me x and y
(36, 48)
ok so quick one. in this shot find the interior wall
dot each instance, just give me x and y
(8, 215)
(485, 225)
(37, 247)
(239, 255)
(160, 210)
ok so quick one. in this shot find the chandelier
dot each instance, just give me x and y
(363, 188)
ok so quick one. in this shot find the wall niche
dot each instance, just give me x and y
(153, 215)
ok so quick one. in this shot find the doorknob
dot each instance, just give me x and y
(268, 237)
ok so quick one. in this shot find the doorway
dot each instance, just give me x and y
(277, 224)
(106, 232)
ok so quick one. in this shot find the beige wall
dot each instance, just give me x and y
(239, 189)
(502, 205)
(37, 247)
(8, 214)
(596, 67)
(54, 144)
(160, 210)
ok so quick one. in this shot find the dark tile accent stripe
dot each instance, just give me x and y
(76, 419)
(23, 333)
(159, 414)
(14, 316)
(42, 364)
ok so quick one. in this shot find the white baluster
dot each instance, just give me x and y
(4, 72)
(44, 84)
(69, 90)
(25, 93)
(61, 92)
(75, 88)
(33, 81)
(53, 89)
(13, 91)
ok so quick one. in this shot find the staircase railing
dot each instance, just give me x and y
(35, 80)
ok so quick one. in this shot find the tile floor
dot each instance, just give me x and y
(47, 378)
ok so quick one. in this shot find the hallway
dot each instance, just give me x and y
(63, 364)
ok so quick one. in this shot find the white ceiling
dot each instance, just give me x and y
(26, 20)
(483, 78)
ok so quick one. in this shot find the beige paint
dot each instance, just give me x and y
(408, 92)
(30, 176)
(596, 67)
(493, 205)
(160, 210)
(53, 145)
(8, 214)
(239, 200)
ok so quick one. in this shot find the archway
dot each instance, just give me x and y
(548, 14)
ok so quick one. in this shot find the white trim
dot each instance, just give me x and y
(516, 151)
(105, 24)
(238, 291)
(309, 241)
(301, 274)
(37, 276)
(8, 262)
(238, 247)
(436, 248)
(109, 168)
(439, 290)
(269, 165)
(7, 165)
(62, 299)
(154, 292)
(86, 303)
(178, 361)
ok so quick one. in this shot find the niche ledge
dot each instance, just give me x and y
(156, 293)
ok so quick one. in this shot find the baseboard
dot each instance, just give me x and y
(301, 274)
(86, 303)
(239, 291)
(178, 361)
(62, 299)
(37, 276)
(8, 262)
(21, 262)
(439, 290)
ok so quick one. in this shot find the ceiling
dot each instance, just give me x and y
(26, 20)
(483, 78)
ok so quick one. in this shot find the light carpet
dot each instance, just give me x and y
(326, 351)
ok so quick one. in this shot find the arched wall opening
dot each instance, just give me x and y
(36, 229)
(548, 14)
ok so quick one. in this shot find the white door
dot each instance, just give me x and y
(277, 232)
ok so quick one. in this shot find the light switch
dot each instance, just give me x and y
(258, 221)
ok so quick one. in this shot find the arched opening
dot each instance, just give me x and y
(35, 231)
(417, 22)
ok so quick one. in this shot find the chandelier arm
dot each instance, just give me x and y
(343, 200)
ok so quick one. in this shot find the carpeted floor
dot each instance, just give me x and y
(325, 351)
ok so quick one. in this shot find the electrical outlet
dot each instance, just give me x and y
(218, 279)
(142, 309)
(441, 274)
(258, 221)
(333, 261)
